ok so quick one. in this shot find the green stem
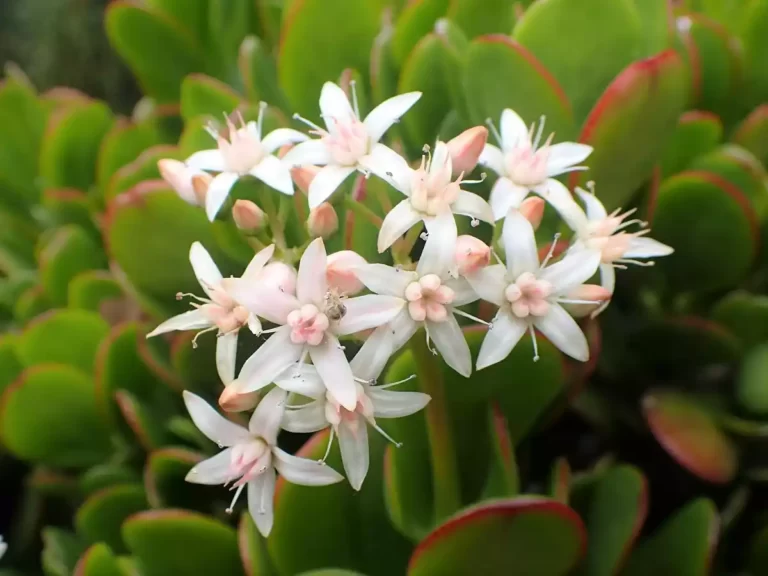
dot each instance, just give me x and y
(362, 210)
(275, 223)
(445, 477)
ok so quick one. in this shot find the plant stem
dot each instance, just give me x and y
(445, 477)
(275, 223)
(362, 210)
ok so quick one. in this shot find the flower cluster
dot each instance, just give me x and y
(310, 310)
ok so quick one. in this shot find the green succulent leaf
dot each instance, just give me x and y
(192, 15)
(68, 206)
(30, 304)
(107, 475)
(751, 391)
(143, 168)
(417, 19)
(258, 73)
(658, 25)
(752, 133)
(94, 290)
(61, 550)
(253, 548)
(122, 145)
(745, 315)
(504, 477)
(755, 39)
(10, 363)
(100, 517)
(697, 133)
(495, 16)
(146, 421)
(98, 560)
(202, 95)
(560, 481)
(164, 482)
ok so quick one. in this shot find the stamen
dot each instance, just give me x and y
(474, 222)
(427, 152)
(194, 340)
(590, 185)
(619, 267)
(309, 123)
(483, 176)
(212, 131)
(645, 264)
(424, 236)
(498, 258)
(352, 84)
(328, 448)
(182, 295)
(539, 132)
(237, 495)
(493, 130)
(363, 381)
(569, 301)
(270, 331)
(391, 384)
(300, 363)
(240, 117)
(574, 169)
(551, 250)
(535, 344)
(260, 120)
(641, 223)
(475, 318)
(387, 436)
(429, 347)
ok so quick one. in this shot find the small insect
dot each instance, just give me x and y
(334, 305)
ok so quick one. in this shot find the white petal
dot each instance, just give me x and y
(269, 361)
(519, 245)
(334, 105)
(280, 137)
(440, 247)
(514, 132)
(206, 271)
(562, 330)
(463, 291)
(387, 113)
(396, 223)
(309, 153)
(561, 200)
(254, 324)
(265, 421)
(307, 419)
(384, 279)
(595, 208)
(644, 247)
(472, 205)
(574, 269)
(265, 301)
(441, 161)
(401, 328)
(389, 166)
(564, 155)
(218, 190)
(493, 158)
(192, 320)
(226, 352)
(608, 277)
(392, 404)
(369, 311)
(311, 284)
(353, 442)
(207, 160)
(302, 379)
(212, 424)
(214, 470)
(274, 173)
(304, 471)
(261, 495)
(489, 283)
(370, 360)
(502, 336)
(326, 182)
(258, 262)
(334, 370)
(505, 194)
(450, 342)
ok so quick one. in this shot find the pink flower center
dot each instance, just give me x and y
(528, 296)
(247, 460)
(428, 299)
(347, 142)
(606, 235)
(526, 166)
(308, 325)
(335, 413)
(223, 311)
(242, 152)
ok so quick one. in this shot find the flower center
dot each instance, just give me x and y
(244, 463)
(335, 413)
(428, 298)
(308, 325)
(242, 152)
(528, 296)
(347, 142)
(606, 235)
(526, 166)
(223, 311)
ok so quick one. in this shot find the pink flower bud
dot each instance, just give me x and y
(592, 293)
(200, 183)
(303, 176)
(180, 177)
(231, 400)
(533, 210)
(471, 254)
(247, 216)
(465, 149)
(279, 275)
(322, 221)
(340, 272)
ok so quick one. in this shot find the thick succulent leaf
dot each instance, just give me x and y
(697, 133)
(253, 548)
(417, 19)
(31, 303)
(144, 167)
(755, 39)
(745, 315)
(493, 17)
(180, 542)
(189, 14)
(560, 481)
(68, 206)
(509, 537)
(384, 69)
(107, 475)
(94, 290)
(658, 25)
(166, 487)
(145, 420)
(61, 550)
(503, 477)
(228, 23)
(122, 145)
(259, 73)
(196, 365)
(100, 517)
(66, 253)
(758, 552)
(49, 416)
(752, 133)
(202, 95)
(751, 391)
(10, 363)
(98, 560)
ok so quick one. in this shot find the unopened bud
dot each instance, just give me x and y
(279, 275)
(303, 176)
(323, 221)
(533, 210)
(340, 271)
(471, 254)
(247, 216)
(181, 177)
(465, 149)
(232, 400)
(200, 183)
(591, 297)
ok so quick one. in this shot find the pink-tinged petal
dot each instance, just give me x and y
(565, 155)
(266, 301)
(217, 193)
(179, 176)
(462, 290)
(383, 279)
(340, 272)
(257, 263)
(307, 419)
(215, 470)
(325, 183)
(212, 424)
(280, 137)
(269, 361)
(226, 352)
(192, 320)
(594, 208)
(561, 200)
(396, 223)
(493, 158)
(212, 160)
(353, 442)
(562, 330)
(502, 336)
(206, 271)
(441, 164)
(311, 284)
(644, 247)
(275, 174)
(387, 113)
(370, 360)
(309, 153)
(401, 328)
(466, 148)
(392, 404)
(334, 106)
(520, 245)
(302, 379)
(576, 268)
(333, 367)
(489, 283)
(437, 255)
(608, 277)
(450, 342)
(506, 195)
(265, 421)
(472, 205)
(514, 132)
(369, 311)
(261, 496)
(279, 276)
(304, 471)
(389, 166)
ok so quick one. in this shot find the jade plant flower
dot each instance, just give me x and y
(347, 143)
(250, 456)
(309, 324)
(431, 196)
(350, 426)
(523, 165)
(529, 295)
(243, 152)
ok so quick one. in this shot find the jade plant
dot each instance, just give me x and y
(368, 287)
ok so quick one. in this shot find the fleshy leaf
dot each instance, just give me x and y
(755, 39)
(745, 315)
(415, 21)
(100, 517)
(122, 145)
(495, 16)
(93, 290)
(259, 74)
(658, 24)
(202, 95)
(164, 481)
(253, 548)
(98, 560)
(751, 391)
(504, 477)
(144, 167)
(697, 133)
(61, 549)
(752, 133)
